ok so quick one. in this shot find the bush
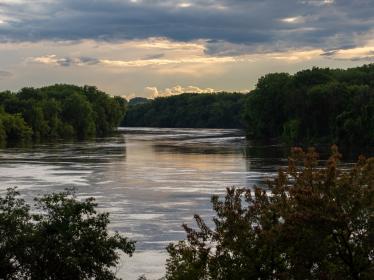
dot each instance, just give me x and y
(68, 239)
(310, 223)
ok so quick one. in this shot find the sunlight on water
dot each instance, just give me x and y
(150, 180)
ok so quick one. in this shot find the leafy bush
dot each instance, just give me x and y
(67, 239)
(309, 223)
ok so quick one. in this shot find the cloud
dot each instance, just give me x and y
(319, 2)
(154, 92)
(196, 60)
(294, 20)
(162, 43)
(153, 56)
(257, 24)
(88, 60)
(295, 55)
(5, 74)
(184, 5)
(158, 62)
(152, 60)
(53, 59)
(354, 54)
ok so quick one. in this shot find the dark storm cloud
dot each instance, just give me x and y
(265, 24)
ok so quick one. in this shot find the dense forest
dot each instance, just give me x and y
(59, 111)
(312, 106)
(219, 110)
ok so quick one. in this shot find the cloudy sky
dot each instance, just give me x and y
(161, 47)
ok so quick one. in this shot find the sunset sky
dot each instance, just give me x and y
(160, 47)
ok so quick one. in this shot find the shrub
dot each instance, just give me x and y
(68, 239)
(309, 223)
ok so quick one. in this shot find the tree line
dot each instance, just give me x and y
(318, 105)
(58, 112)
(218, 110)
(314, 106)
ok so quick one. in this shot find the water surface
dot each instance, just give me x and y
(150, 180)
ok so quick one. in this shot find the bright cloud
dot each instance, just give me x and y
(298, 19)
(169, 53)
(184, 5)
(361, 53)
(154, 92)
(157, 62)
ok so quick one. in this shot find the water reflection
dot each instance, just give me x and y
(150, 180)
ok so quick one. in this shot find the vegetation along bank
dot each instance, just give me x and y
(58, 112)
(312, 106)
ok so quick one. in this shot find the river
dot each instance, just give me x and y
(150, 180)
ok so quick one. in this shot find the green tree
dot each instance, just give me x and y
(329, 106)
(15, 228)
(77, 112)
(2, 133)
(265, 115)
(34, 117)
(59, 111)
(291, 131)
(67, 240)
(52, 111)
(15, 127)
(308, 223)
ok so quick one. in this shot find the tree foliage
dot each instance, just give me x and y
(67, 239)
(308, 223)
(59, 111)
(314, 106)
(220, 110)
